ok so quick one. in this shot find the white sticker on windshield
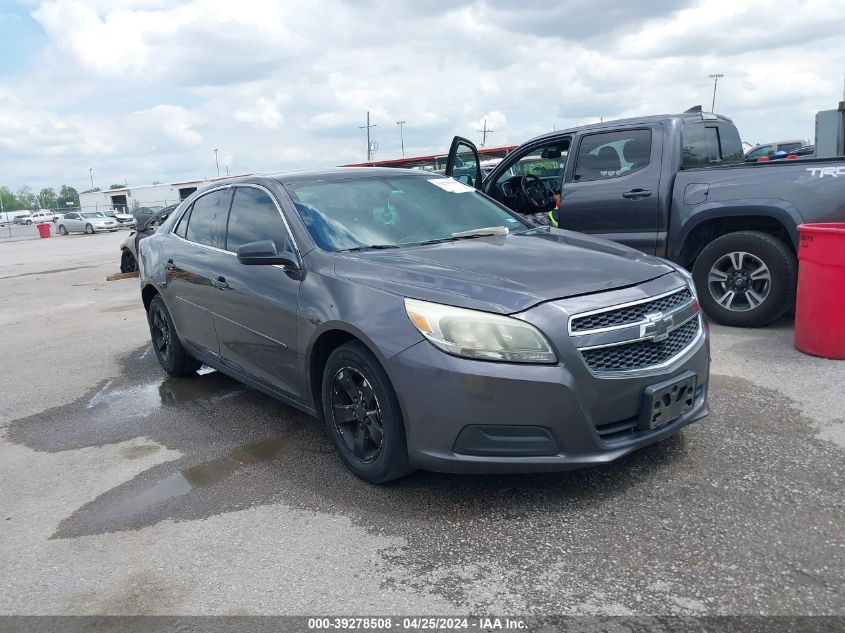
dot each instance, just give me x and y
(451, 185)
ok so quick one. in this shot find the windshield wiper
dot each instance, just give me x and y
(471, 234)
(367, 247)
(489, 230)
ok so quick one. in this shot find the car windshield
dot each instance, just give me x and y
(93, 214)
(390, 211)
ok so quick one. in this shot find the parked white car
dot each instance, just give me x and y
(23, 218)
(86, 222)
(42, 215)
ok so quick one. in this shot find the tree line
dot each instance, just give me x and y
(25, 199)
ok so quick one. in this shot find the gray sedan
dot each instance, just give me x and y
(86, 222)
(426, 324)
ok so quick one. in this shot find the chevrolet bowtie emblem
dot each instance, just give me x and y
(657, 326)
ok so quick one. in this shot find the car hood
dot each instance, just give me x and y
(504, 274)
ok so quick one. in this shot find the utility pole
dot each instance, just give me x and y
(370, 147)
(715, 77)
(216, 163)
(91, 173)
(3, 212)
(401, 124)
(485, 130)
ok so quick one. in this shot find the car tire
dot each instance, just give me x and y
(355, 387)
(28, 222)
(171, 354)
(62, 229)
(89, 229)
(746, 279)
(127, 262)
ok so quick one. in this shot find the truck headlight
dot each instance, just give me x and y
(479, 335)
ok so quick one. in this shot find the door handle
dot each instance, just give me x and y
(220, 283)
(637, 193)
(170, 265)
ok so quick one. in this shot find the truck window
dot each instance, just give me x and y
(708, 144)
(612, 154)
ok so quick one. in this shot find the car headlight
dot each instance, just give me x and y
(479, 335)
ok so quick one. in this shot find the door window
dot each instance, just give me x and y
(254, 216)
(612, 154)
(203, 221)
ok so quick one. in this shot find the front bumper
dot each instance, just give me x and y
(103, 229)
(556, 416)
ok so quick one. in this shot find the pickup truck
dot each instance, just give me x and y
(676, 186)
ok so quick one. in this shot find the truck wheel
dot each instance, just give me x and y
(746, 279)
(362, 415)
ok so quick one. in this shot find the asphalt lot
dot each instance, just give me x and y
(125, 492)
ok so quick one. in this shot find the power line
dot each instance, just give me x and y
(715, 77)
(485, 130)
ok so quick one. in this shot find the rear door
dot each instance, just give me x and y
(613, 189)
(255, 311)
(189, 265)
(463, 163)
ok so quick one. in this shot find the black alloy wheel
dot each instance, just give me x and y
(362, 414)
(356, 414)
(160, 331)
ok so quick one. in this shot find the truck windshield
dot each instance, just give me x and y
(707, 143)
(394, 211)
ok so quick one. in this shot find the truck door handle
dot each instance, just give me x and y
(637, 193)
(170, 265)
(220, 283)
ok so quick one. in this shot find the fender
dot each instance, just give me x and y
(692, 216)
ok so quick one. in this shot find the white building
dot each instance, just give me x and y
(131, 198)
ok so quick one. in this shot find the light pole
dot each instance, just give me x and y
(3, 212)
(715, 77)
(401, 125)
(216, 163)
(91, 173)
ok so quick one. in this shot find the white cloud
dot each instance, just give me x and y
(146, 89)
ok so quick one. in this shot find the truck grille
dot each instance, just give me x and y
(641, 354)
(629, 314)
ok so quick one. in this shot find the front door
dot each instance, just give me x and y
(255, 313)
(613, 189)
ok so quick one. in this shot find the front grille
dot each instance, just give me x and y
(640, 354)
(629, 314)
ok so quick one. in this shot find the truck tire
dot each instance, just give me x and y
(746, 279)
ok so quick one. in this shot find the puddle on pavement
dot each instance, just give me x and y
(212, 386)
(201, 475)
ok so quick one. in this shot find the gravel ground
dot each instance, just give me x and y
(125, 492)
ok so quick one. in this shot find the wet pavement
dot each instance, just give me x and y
(144, 493)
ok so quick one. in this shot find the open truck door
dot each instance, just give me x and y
(463, 163)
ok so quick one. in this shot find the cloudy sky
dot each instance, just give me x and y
(144, 90)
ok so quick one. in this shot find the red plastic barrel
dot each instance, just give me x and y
(44, 229)
(820, 308)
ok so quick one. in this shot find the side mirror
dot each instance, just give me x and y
(264, 252)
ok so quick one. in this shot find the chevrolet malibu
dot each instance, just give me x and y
(427, 325)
